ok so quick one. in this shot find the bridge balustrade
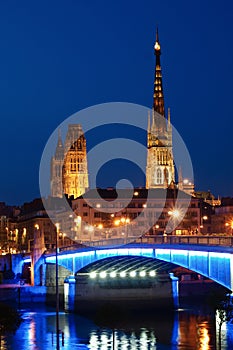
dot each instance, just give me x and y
(224, 241)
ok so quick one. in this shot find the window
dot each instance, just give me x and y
(159, 176)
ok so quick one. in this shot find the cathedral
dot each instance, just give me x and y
(160, 169)
(69, 171)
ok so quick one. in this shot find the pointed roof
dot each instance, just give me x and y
(59, 153)
(158, 104)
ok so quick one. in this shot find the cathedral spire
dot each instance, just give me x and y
(158, 87)
(59, 153)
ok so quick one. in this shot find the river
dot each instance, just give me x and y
(188, 328)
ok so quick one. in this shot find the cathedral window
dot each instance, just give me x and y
(159, 176)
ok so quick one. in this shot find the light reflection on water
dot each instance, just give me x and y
(185, 331)
(104, 340)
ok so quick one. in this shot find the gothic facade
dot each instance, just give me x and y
(69, 170)
(160, 171)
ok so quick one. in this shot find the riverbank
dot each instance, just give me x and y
(26, 294)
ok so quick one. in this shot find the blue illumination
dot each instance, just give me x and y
(213, 264)
(69, 256)
(27, 260)
(163, 251)
(197, 253)
(179, 252)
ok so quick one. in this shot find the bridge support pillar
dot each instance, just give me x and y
(69, 293)
(175, 290)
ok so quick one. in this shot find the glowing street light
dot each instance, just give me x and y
(174, 213)
(57, 290)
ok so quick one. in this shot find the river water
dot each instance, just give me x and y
(188, 328)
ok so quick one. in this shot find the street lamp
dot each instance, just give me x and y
(57, 290)
(90, 229)
(175, 216)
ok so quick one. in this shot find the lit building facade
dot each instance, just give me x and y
(160, 171)
(118, 215)
(69, 170)
(75, 173)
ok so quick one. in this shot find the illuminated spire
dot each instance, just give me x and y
(148, 128)
(158, 87)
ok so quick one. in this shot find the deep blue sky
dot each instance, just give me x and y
(58, 57)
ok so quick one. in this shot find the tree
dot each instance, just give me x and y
(224, 313)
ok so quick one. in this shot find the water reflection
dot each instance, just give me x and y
(196, 331)
(183, 330)
(104, 340)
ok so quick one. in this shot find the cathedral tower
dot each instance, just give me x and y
(160, 171)
(68, 173)
(75, 173)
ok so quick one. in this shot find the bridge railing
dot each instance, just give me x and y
(224, 241)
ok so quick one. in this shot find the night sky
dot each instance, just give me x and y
(58, 57)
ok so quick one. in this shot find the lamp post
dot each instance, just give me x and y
(57, 290)
(175, 216)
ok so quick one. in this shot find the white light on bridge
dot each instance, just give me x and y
(122, 273)
(152, 273)
(142, 273)
(103, 274)
(93, 274)
(113, 274)
(132, 273)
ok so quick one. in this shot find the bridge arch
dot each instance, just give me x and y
(216, 265)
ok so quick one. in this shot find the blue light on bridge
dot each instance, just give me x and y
(213, 262)
(52, 259)
(125, 251)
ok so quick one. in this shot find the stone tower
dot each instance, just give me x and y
(56, 169)
(75, 173)
(160, 172)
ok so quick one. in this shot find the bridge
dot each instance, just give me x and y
(210, 256)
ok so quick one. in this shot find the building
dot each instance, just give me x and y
(69, 170)
(118, 215)
(160, 170)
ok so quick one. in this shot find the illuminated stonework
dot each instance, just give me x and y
(160, 171)
(75, 173)
(69, 174)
